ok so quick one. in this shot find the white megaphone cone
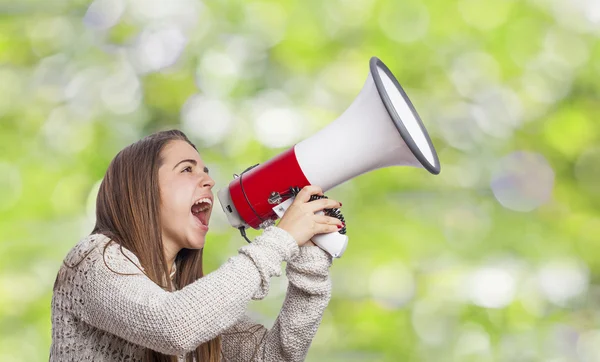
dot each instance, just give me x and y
(381, 128)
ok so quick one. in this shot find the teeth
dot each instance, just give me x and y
(206, 199)
(205, 207)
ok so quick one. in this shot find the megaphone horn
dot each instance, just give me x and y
(381, 128)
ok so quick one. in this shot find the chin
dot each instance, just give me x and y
(196, 242)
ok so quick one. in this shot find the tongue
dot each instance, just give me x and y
(201, 216)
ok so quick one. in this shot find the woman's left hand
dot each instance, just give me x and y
(310, 243)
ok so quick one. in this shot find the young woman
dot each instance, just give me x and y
(134, 290)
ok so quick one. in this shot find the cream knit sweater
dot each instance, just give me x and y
(99, 315)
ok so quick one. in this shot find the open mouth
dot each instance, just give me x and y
(200, 210)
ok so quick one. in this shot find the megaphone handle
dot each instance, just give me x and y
(329, 212)
(334, 243)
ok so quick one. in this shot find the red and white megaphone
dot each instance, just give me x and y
(381, 128)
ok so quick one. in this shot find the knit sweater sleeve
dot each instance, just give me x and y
(137, 310)
(308, 294)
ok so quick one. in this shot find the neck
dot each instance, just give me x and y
(170, 263)
(170, 251)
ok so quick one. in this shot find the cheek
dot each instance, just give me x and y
(175, 199)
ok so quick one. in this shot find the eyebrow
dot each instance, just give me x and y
(193, 162)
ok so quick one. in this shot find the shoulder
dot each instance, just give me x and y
(98, 250)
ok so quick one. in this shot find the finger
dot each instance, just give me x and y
(327, 220)
(307, 191)
(325, 229)
(319, 205)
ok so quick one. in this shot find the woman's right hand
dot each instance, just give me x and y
(300, 220)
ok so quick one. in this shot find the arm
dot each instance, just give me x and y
(137, 310)
(308, 294)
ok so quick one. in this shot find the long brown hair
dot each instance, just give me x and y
(128, 212)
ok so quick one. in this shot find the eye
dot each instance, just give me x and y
(187, 169)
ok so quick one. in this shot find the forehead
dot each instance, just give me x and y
(178, 150)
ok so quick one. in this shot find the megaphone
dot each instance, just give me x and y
(381, 128)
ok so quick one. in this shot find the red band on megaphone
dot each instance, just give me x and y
(250, 192)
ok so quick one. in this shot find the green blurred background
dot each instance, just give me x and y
(495, 259)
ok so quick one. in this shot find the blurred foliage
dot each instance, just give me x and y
(495, 259)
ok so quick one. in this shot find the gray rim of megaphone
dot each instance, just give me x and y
(374, 63)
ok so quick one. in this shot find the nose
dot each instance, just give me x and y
(207, 181)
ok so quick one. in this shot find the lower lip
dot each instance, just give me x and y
(200, 225)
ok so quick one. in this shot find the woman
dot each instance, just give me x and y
(134, 290)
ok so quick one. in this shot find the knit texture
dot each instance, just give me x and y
(105, 309)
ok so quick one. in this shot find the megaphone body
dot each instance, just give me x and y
(381, 128)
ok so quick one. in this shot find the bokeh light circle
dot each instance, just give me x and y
(523, 181)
